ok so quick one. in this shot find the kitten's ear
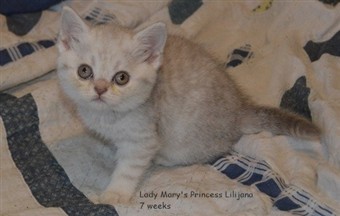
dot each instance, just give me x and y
(73, 30)
(150, 44)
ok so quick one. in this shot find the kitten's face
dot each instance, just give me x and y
(107, 67)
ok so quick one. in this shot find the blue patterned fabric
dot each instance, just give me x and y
(98, 16)
(295, 99)
(316, 49)
(239, 55)
(250, 171)
(18, 51)
(9, 7)
(181, 10)
(46, 179)
(11, 54)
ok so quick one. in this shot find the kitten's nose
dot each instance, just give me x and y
(100, 90)
(101, 86)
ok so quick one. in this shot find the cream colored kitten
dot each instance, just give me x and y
(157, 98)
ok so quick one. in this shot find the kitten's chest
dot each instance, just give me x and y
(106, 124)
(119, 127)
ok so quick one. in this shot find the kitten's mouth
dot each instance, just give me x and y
(98, 100)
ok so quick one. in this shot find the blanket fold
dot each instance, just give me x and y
(281, 53)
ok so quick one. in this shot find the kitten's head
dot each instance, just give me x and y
(108, 67)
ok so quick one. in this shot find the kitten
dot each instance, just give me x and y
(158, 98)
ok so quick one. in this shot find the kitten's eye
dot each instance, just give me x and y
(85, 71)
(121, 78)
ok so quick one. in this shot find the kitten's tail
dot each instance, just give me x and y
(279, 122)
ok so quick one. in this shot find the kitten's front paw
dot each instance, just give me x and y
(115, 198)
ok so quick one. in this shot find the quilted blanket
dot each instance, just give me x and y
(281, 53)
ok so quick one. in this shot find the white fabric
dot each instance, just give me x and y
(276, 36)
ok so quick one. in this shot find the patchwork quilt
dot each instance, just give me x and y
(281, 53)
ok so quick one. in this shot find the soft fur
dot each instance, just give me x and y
(178, 108)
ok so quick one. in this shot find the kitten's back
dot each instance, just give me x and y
(197, 103)
(203, 112)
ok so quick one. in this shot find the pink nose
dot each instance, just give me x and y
(100, 90)
(101, 86)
